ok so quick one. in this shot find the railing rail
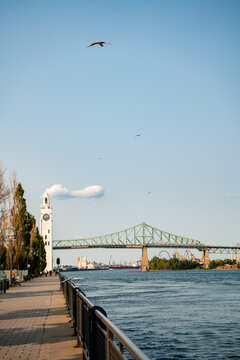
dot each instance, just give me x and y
(99, 338)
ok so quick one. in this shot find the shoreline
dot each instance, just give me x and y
(219, 268)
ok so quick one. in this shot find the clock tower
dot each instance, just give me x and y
(46, 227)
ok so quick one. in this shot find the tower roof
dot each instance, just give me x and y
(46, 200)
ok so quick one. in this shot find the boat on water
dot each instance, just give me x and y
(63, 269)
(121, 267)
(67, 268)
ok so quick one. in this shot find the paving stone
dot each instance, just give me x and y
(34, 323)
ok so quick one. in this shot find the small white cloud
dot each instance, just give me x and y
(60, 191)
(231, 195)
(89, 191)
(57, 190)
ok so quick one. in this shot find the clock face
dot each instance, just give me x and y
(46, 217)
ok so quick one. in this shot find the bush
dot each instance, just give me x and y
(215, 263)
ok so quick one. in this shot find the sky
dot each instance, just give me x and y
(70, 114)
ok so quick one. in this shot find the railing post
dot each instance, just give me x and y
(78, 317)
(74, 309)
(97, 340)
(108, 336)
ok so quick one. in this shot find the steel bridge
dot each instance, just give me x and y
(143, 236)
(139, 236)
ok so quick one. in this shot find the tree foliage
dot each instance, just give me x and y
(4, 191)
(27, 249)
(215, 263)
(37, 255)
(172, 264)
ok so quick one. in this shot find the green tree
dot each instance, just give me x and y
(28, 247)
(172, 264)
(4, 191)
(19, 222)
(37, 253)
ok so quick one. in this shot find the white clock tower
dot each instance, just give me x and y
(46, 229)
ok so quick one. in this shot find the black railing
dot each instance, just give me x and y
(99, 338)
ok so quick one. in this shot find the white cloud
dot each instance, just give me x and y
(57, 190)
(61, 191)
(89, 191)
(231, 195)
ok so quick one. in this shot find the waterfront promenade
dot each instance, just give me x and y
(34, 323)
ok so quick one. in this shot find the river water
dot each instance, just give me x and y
(171, 314)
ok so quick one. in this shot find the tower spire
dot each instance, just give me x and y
(46, 201)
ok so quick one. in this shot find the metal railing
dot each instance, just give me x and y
(99, 338)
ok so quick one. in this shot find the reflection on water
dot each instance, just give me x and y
(171, 314)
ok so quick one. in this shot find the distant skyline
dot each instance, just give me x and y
(70, 115)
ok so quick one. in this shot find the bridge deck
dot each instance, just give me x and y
(34, 323)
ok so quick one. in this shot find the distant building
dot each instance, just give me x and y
(90, 266)
(82, 262)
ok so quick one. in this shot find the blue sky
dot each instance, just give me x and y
(171, 74)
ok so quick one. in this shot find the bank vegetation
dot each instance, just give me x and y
(176, 264)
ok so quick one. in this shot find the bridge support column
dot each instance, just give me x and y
(145, 265)
(206, 259)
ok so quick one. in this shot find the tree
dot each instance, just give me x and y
(172, 264)
(4, 191)
(28, 247)
(19, 220)
(37, 253)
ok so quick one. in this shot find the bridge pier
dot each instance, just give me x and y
(145, 265)
(205, 259)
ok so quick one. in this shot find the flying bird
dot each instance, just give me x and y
(100, 43)
(149, 193)
(137, 135)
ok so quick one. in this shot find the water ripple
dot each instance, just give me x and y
(172, 314)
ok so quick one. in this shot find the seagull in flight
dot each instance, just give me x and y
(100, 43)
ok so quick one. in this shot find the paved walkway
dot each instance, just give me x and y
(34, 323)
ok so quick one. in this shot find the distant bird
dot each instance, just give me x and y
(149, 193)
(137, 135)
(100, 43)
(99, 158)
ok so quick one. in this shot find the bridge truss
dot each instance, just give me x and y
(139, 236)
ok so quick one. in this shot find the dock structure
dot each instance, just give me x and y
(35, 324)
